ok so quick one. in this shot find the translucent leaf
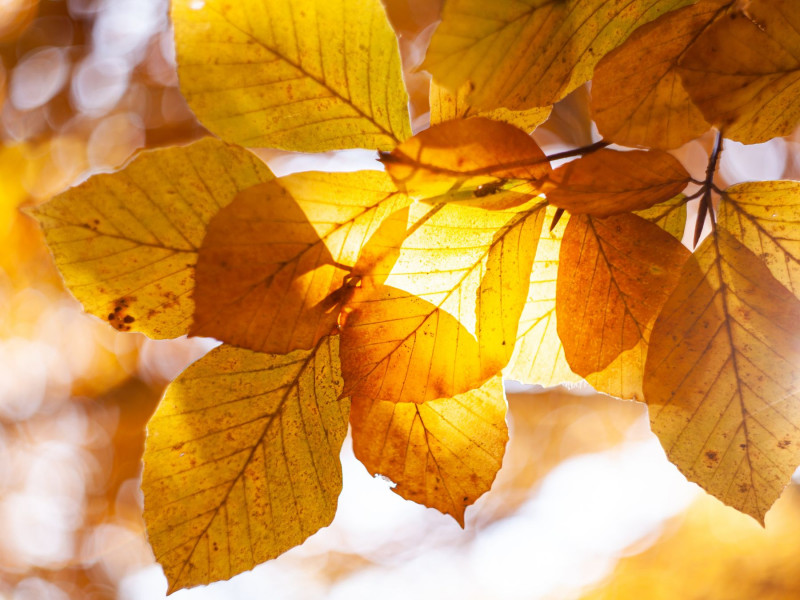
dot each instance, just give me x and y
(307, 75)
(242, 460)
(126, 243)
(669, 215)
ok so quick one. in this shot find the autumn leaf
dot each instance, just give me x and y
(442, 453)
(468, 159)
(610, 182)
(538, 356)
(721, 379)
(444, 319)
(126, 243)
(669, 215)
(638, 98)
(273, 261)
(765, 217)
(446, 106)
(520, 55)
(307, 75)
(744, 71)
(614, 275)
(242, 460)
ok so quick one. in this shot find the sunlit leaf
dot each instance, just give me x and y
(446, 106)
(273, 261)
(638, 98)
(539, 355)
(126, 243)
(669, 215)
(444, 320)
(744, 71)
(614, 275)
(308, 75)
(476, 159)
(765, 217)
(722, 376)
(609, 182)
(242, 460)
(524, 53)
(442, 453)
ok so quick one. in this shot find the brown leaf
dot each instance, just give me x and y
(614, 275)
(744, 71)
(609, 182)
(441, 453)
(722, 375)
(638, 98)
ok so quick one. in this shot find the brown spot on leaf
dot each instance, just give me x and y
(711, 455)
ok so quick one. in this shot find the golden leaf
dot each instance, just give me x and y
(638, 98)
(273, 261)
(486, 162)
(242, 460)
(669, 215)
(744, 71)
(614, 275)
(446, 107)
(444, 319)
(722, 373)
(126, 243)
(609, 182)
(442, 453)
(307, 75)
(522, 54)
(765, 217)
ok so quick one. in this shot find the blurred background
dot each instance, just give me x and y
(586, 505)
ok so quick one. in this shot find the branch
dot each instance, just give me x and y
(706, 207)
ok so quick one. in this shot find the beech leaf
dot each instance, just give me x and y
(442, 453)
(126, 243)
(307, 75)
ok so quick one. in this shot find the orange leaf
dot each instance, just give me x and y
(441, 453)
(614, 275)
(609, 182)
(722, 375)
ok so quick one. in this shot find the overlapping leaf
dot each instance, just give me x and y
(308, 75)
(744, 71)
(442, 453)
(765, 217)
(722, 379)
(638, 98)
(274, 260)
(444, 320)
(614, 275)
(126, 243)
(669, 215)
(479, 160)
(242, 460)
(522, 54)
(446, 106)
(609, 182)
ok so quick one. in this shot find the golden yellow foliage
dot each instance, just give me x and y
(442, 453)
(126, 243)
(242, 460)
(307, 75)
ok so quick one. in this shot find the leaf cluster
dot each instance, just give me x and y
(395, 302)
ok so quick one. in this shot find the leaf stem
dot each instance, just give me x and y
(706, 208)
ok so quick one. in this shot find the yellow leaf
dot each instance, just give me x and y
(722, 373)
(442, 453)
(242, 460)
(522, 54)
(609, 182)
(307, 75)
(614, 275)
(744, 71)
(446, 107)
(444, 319)
(765, 217)
(669, 215)
(273, 261)
(476, 159)
(126, 243)
(538, 354)
(638, 98)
